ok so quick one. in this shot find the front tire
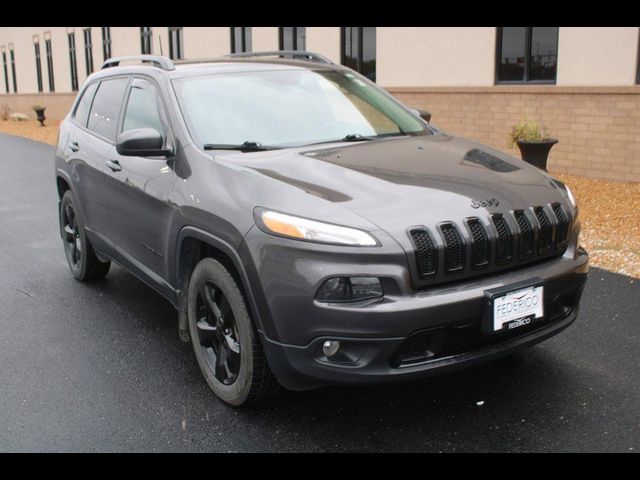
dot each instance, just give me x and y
(81, 257)
(225, 342)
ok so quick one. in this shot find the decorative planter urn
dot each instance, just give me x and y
(536, 153)
(40, 115)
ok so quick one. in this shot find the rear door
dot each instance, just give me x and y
(139, 190)
(95, 122)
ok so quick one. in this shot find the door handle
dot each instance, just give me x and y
(74, 147)
(114, 165)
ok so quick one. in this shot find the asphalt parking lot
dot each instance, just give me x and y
(100, 367)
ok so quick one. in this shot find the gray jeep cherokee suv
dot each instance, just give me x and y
(308, 228)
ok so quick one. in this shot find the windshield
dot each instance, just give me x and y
(289, 108)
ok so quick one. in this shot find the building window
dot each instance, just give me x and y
(240, 39)
(106, 43)
(638, 66)
(358, 50)
(12, 57)
(88, 51)
(47, 51)
(36, 47)
(175, 43)
(145, 40)
(527, 54)
(73, 64)
(293, 38)
(6, 71)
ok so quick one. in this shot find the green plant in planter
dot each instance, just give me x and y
(527, 132)
(37, 107)
(533, 141)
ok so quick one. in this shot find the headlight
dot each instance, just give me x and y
(304, 229)
(571, 197)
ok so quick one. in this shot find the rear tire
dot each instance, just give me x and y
(81, 257)
(225, 342)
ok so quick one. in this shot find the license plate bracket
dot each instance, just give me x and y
(517, 305)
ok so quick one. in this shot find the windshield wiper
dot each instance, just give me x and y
(243, 147)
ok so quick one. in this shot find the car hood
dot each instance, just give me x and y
(396, 183)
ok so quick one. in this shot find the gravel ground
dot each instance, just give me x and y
(610, 227)
(32, 129)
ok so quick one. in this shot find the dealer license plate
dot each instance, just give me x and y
(517, 308)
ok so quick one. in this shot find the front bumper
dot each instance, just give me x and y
(382, 339)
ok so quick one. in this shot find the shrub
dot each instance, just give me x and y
(527, 132)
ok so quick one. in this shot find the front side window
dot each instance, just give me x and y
(84, 105)
(175, 43)
(293, 38)
(240, 39)
(358, 50)
(143, 108)
(290, 108)
(527, 54)
(103, 118)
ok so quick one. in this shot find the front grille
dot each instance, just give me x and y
(562, 229)
(426, 254)
(480, 247)
(504, 245)
(499, 242)
(453, 249)
(545, 234)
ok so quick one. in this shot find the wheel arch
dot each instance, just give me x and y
(194, 244)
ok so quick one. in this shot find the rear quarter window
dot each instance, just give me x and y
(103, 118)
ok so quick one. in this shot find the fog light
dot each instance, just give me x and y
(330, 347)
(349, 289)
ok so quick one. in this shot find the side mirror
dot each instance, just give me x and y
(423, 114)
(142, 142)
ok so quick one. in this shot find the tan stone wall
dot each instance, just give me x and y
(598, 127)
(57, 104)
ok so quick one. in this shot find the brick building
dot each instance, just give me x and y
(581, 82)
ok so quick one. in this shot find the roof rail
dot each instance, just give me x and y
(159, 61)
(314, 57)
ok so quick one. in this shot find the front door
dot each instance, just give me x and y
(139, 191)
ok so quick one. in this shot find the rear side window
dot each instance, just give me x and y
(103, 118)
(143, 108)
(82, 110)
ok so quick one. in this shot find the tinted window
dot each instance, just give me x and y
(82, 110)
(143, 108)
(527, 54)
(544, 53)
(106, 105)
(512, 55)
(359, 50)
